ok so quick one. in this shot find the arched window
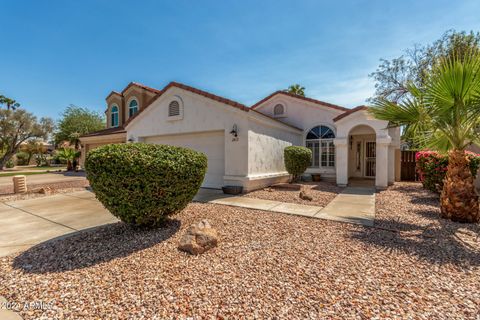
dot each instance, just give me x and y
(132, 108)
(114, 117)
(278, 110)
(320, 141)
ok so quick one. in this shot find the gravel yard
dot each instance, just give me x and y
(322, 193)
(267, 265)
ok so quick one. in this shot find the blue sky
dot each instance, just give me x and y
(56, 53)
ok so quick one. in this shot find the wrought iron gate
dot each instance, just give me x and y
(370, 158)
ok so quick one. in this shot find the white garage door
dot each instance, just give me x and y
(210, 143)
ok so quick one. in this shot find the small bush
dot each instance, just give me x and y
(10, 164)
(297, 160)
(141, 183)
(432, 167)
(22, 158)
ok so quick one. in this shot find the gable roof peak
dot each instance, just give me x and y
(296, 96)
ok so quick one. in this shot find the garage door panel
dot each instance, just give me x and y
(210, 143)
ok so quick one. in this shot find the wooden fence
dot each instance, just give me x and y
(407, 165)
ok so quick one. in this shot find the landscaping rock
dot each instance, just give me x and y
(199, 238)
(304, 196)
(46, 190)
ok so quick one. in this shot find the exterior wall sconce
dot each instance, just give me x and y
(234, 131)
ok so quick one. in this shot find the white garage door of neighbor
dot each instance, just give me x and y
(210, 143)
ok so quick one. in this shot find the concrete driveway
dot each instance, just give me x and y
(29, 222)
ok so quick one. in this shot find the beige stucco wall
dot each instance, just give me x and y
(266, 146)
(305, 115)
(200, 114)
(143, 97)
(256, 133)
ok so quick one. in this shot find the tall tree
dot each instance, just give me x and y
(9, 103)
(445, 113)
(393, 76)
(17, 126)
(296, 89)
(75, 122)
(33, 147)
(395, 79)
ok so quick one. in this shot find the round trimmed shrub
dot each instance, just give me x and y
(142, 183)
(297, 159)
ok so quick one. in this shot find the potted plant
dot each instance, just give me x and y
(232, 189)
(316, 177)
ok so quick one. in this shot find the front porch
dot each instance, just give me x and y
(365, 150)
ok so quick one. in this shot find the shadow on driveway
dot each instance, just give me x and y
(91, 247)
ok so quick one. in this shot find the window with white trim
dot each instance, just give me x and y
(132, 108)
(320, 141)
(114, 117)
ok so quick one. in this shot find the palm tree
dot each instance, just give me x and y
(445, 115)
(10, 103)
(296, 89)
(69, 155)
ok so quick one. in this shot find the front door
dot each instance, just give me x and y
(370, 163)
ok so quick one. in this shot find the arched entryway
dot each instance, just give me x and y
(362, 160)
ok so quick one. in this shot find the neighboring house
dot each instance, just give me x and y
(244, 145)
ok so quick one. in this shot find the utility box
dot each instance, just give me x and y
(20, 184)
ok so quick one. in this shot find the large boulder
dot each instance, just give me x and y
(199, 238)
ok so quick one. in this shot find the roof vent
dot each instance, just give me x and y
(174, 109)
(278, 110)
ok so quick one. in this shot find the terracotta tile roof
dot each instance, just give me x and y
(105, 132)
(207, 95)
(153, 90)
(141, 86)
(349, 112)
(322, 103)
(112, 93)
(191, 89)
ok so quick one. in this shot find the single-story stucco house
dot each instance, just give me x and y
(244, 145)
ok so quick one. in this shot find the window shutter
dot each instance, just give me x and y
(173, 109)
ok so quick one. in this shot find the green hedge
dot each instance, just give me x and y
(297, 159)
(141, 183)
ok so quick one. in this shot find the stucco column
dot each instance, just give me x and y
(341, 161)
(382, 162)
(391, 164)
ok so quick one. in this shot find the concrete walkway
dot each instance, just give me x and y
(354, 205)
